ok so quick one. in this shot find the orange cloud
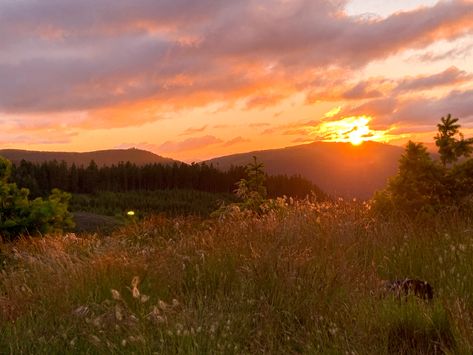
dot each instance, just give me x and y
(155, 51)
(122, 64)
(189, 144)
(235, 141)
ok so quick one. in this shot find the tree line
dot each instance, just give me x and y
(41, 178)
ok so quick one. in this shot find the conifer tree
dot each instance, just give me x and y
(451, 148)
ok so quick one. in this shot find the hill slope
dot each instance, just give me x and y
(101, 157)
(339, 169)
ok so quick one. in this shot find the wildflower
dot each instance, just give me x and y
(160, 320)
(155, 316)
(97, 322)
(163, 305)
(81, 311)
(175, 303)
(116, 295)
(130, 213)
(118, 313)
(135, 281)
(213, 328)
(144, 298)
(155, 311)
(135, 292)
(95, 339)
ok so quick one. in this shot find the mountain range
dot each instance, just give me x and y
(101, 157)
(339, 169)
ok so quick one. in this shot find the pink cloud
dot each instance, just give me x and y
(188, 144)
(449, 76)
(417, 110)
(124, 63)
(235, 141)
(194, 130)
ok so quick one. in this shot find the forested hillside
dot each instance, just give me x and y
(41, 178)
(339, 169)
(101, 157)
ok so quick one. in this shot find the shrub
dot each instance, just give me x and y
(19, 215)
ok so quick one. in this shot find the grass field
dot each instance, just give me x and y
(303, 279)
(170, 202)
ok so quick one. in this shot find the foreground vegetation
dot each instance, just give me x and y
(302, 278)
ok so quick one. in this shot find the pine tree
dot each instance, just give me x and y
(418, 186)
(252, 190)
(451, 148)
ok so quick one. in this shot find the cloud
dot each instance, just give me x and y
(194, 130)
(303, 139)
(222, 126)
(458, 103)
(123, 63)
(12, 138)
(259, 124)
(417, 110)
(188, 144)
(462, 51)
(235, 141)
(450, 76)
(340, 89)
(378, 87)
(264, 101)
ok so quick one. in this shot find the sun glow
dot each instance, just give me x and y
(354, 130)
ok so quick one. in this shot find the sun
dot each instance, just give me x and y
(354, 130)
(358, 132)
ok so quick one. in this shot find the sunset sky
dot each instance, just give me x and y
(194, 79)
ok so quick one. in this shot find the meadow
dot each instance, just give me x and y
(302, 278)
(171, 202)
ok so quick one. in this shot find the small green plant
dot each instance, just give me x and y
(19, 215)
(252, 190)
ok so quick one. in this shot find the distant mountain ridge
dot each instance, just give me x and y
(101, 157)
(339, 169)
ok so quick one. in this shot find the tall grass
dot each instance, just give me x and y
(301, 279)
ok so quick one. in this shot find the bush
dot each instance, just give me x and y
(19, 215)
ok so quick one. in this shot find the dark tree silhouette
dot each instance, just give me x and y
(451, 148)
